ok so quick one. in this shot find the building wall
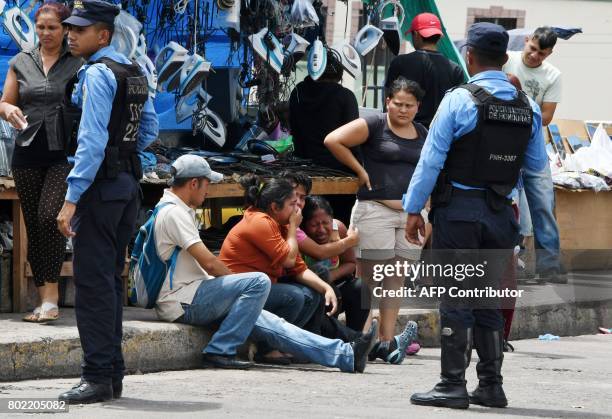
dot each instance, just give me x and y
(585, 60)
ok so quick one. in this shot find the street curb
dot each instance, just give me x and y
(150, 346)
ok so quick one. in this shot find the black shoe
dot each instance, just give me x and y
(455, 357)
(224, 361)
(508, 347)
(444, 394)
(490, 396)
(117, 389)
(362, 347)
(87, 392)
(489, 345)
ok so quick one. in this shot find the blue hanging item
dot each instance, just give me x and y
(317, 60)
(168, 64)
(19, 26)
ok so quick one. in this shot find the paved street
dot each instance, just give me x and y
(570, 378)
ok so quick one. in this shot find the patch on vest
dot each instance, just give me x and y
(506, 113)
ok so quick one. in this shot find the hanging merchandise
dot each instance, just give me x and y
(225, 4)
(295, 50)
(141, 46)
(149, 69)
(317, 60)
(168, 64)
(19, 27)
(125, 36)
(268, 47)
(230, 17)
(188, 104)
(392, 25)
(367, 39)
(303, 14)
(210, 124)
(193, 73)
(180, 6)
(348, 56)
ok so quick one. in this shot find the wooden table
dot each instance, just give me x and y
(220, 195)
(20, 246)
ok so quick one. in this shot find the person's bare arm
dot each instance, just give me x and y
(207, 260)
(310, 279)
(294, 222)
(548, 111)
(9, 111)
(325, 251)
(340, 141)
(348, 262)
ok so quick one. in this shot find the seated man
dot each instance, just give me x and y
(204, 291)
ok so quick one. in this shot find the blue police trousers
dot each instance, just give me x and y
(104, 223)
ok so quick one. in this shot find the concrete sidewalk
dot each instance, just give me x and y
(30, 350)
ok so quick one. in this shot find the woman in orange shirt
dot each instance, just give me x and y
(265, 241)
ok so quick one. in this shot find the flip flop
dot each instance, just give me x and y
(33, 316)
(50, 314)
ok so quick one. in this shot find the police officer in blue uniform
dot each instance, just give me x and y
(483, 133)
(99, 213)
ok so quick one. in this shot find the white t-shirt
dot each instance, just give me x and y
(542, 84)
(176, 225)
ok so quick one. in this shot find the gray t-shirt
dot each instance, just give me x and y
(390, 160)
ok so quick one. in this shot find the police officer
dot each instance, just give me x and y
(483, 133)
(99, 212)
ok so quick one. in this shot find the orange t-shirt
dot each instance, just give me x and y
(257, 244)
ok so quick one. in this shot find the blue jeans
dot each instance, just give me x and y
(541, 200)
(237, 301)
(294, 302)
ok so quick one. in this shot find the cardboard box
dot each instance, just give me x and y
(585, 228)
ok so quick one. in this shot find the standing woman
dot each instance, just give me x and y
(35, 85)
(390, 146)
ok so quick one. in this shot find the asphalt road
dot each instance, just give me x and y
(570, 378)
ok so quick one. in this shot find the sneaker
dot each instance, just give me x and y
(397, 347)
(363, 346)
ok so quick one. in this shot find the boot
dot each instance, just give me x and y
(489, 345)
(455, 358)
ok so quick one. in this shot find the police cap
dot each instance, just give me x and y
(487, 37)
(89, 12)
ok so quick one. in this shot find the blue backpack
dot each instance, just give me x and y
(148, 271)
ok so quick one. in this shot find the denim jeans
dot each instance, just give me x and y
(294, 302)
(237, 301)
(276, 332)
(541, 200)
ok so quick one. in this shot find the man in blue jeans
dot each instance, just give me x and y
(204, 291)
(541, 81)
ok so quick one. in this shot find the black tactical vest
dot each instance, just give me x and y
(120, 154)
(491, 155)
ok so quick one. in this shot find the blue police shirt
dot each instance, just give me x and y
(94, 94)
(456, 116)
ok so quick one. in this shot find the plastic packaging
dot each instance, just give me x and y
(548, 337)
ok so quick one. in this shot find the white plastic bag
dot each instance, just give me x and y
(598, 156)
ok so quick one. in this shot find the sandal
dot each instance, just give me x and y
(33, 316)
(48, 312)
